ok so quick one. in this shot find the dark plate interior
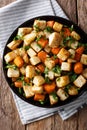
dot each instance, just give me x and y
(28, 24)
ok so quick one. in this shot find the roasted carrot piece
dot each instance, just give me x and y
(49, 88)
(50, 23)
(39, 97)
(18, 61)
(78, 53)
(42, 55)
(41, 67)
(66, 32)
(56, 60)
(60, 61)
(26, 80)
(78, 68)
(55, 51)
(18, 84)
(43, 42)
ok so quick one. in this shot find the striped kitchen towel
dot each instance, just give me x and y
(12, 16)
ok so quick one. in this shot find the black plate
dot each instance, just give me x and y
(28, 24)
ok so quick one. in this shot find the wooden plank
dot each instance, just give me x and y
(69, 124)
(82, 14)
(45, 124)
(9, 115)
(82, 119)
(69, 7)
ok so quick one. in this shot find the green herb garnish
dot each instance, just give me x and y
(39, 45)
(26, 47)
(55, 56)
(54, 96)
(11, 66)
(21, 78)
(65, 40)
(67, 87)
(57, 69)
(36, 28)
(49, 29)
(41, 102)
(38, 38)
(47, 80)
(20, 90)
(71, 28)
(18, 37)
(73, 77)
(46, 70)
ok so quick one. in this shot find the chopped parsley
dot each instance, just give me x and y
(26, 47)
(67, 88)
(36, 28)
(72, 77)
(65, 40)
(71, 28)
(11, 66)
(57, 69)
(49, 29)
(55, 56)
(54, 96)
(46, 70)
(38, 38)
(47, 80)
(18, 37)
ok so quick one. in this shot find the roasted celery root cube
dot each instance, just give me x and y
(49, 63)
(69, 60)
(62, 94)
(80, 81)
(23, 70)
(26, 58)
(57, 26)
(51, 75)
(55, 40)
(23, 31)
(72, 53)
(74, 45)
(35, 60)
(38, 80)
(39, 25)
(10, 56)
(66, 66)
(73, 90)
(63, 54)
(36, 47)
(47, 48)
(84, 59)
(28, 91)
(29, 38)
(62, 81)
(31, 52)
(75, 35)
(13, 73)
(53, 98)
(37, 89)
(84, 73)
(14, 44)
(30, 71)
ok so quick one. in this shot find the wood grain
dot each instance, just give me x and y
(9, 117)
(82, 14)
(69, 7)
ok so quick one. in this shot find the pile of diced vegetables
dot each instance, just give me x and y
(47, 61)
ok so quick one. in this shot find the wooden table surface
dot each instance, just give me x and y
(9, 117)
